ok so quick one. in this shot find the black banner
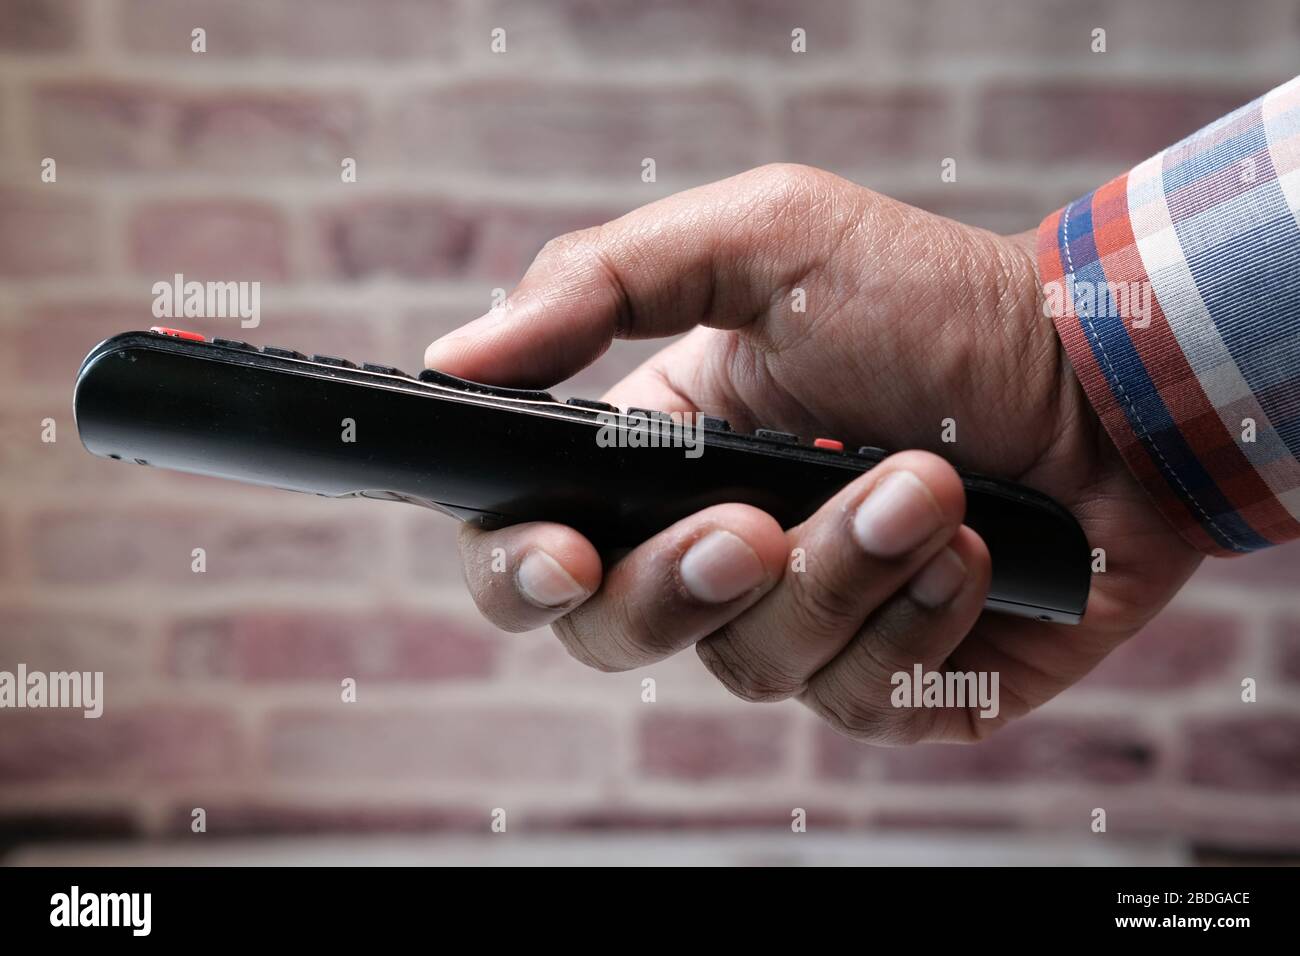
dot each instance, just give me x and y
(210, 906)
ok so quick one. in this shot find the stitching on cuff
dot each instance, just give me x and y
(1112, 375)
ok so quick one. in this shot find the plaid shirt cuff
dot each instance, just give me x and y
(1176, 292)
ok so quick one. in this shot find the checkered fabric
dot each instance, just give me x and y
(1176, 291)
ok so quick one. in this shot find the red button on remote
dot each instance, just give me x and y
(178, 333)
(830, 444)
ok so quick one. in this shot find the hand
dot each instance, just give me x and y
(910, 319)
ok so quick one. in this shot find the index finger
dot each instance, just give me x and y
(659, 270)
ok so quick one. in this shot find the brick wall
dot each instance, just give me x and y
(223, 687)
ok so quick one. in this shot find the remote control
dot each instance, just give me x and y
(497, 456)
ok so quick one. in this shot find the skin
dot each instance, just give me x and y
(911, 318)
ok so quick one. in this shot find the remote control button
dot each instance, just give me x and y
(434, 377)
(331, 360)
(281, 353)
(830, 444)
(592, 405)
(178, 333)
(716, 424)
(871, 451)
(383, 369)
(647, 413)
(235, 344)
(783, 437)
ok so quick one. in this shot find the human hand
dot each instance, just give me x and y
(910, 319)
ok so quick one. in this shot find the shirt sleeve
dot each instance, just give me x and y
(1175, 289)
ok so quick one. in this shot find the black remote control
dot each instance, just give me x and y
(497, 456)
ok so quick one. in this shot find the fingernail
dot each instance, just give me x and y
(543, 581)
(899, 514)
(720, 567)
(939, 581)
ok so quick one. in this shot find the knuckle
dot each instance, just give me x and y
(785, 176)
(784, 186)
(778, 191)
(620, 638)
(580, 647)
(821, 607)
(744, 675)
(867, 721)
(649, 633)
(853, 711)
(566, 244)
(586, 257)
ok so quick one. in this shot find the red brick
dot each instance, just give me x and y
(1177, 649)
(52, 339)
(510, 238)
(711, 746)
(850, 130)
(1056, 30)
(231, 240)
(840, 758)
(1150, 811)
(417, 329)
(470, 743)
(277, 132)
(272, 645)
(130, 127)
(947, 819)
(1274, 568)
(1216, 826)
(431, 543)
(1286, 637)
(264, 818)
(1033, 750)
(104, 125)
(138, 743)
(743, 814)
(1109, 122)
(407, 238)
(83, 547)
(668, 29)
(64, 471)
(43, 232)
(27, 461)
(421, 237)
(1184, 27)
(39, 26)
(998, 210)
(294, 29)
(1256, 753)
(25, 827)
(571, 131)
(52, 639)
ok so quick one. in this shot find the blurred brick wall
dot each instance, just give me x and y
(223, 688)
